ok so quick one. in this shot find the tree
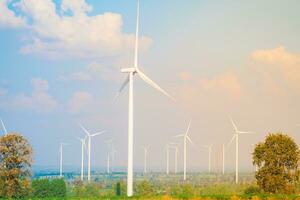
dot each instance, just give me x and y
(15, 166)
(277, 159)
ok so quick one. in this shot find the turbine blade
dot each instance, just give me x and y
(153, 84)
(189, 139)
(121, 88)
(3, 126)
(231, 140)
(136, 50)
(233, 124)
(246, 132)
(181, 135)
(188, 128)
(84, 129)
(98, 133)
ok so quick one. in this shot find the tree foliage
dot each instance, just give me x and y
(15, 166)
(277, 159)
(43, 188)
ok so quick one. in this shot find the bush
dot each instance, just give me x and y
(43, 188)
(86, 190)
(185, 191)
(144, 188)
(252, 190)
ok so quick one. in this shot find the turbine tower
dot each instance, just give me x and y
(83, 148)
(109, 145)
(61, 158)
(209, 147)
(186, 138)
(3, 126)
(129, 80)
(146, 149)
(236, 137)
(167, 148)
(89, 137)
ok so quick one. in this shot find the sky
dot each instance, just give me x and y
(60, 64)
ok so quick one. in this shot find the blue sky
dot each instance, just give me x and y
(61, 66)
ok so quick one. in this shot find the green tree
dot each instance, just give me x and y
(277, 159)
(15, 166)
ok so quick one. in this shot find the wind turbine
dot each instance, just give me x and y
(146, 149)
(167, 149)
(61, 158)
(89, 137)
(109, 145)
(83, 148)
(3, 126)
(175, 147)
(131, 71)
(186, 138)
(114, 151)
(209, 147)
(236, 137)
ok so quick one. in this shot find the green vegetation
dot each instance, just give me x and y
(278, 160)
(277, 178)
(43, 188)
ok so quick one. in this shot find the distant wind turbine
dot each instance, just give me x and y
(236, 137)
(146, 151)
(3, 126)
(167, 149)
(83, 148)
(109, 145)
(209, 148)
(89, 137)
(61, 158)
(129, 80)
(186, 138)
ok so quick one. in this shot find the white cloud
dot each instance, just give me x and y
(39, 101)
(8, 17)
(279, 68)
(2, 92)
(68, 30)
(81, 101)
(94, 71)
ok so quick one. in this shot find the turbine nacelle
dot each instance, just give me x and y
(128, 70)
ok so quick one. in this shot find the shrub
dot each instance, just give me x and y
(118, 189)
(252, 190)
(58, 188)
(43, 188)
(144, 188)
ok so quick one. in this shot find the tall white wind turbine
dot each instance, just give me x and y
(109, 151)
(146, 151)
(83, 148)
(209, 148)
(167, 149)
(186, 138)
(131, 71)
(61, 158)
(236, 137)
(89, 137)
(3, 126)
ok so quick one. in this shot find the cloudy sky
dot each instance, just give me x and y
(60, 64)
